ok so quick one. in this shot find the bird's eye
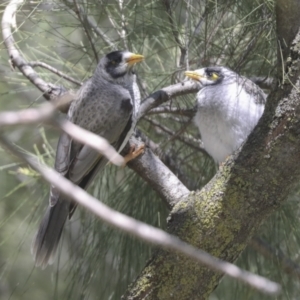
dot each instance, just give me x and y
(113, 62)
(212, 75)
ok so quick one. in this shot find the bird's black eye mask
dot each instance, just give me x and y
(114, 60)
(115, 57)
(214, 75)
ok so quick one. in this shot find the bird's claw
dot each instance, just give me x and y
(133, 153)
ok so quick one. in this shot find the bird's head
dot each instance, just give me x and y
(117, 64)
(210, 75)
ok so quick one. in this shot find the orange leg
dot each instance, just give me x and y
(133, 153)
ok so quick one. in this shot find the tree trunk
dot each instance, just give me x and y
(227, 212)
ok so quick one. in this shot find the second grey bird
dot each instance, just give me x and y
(228, 108)
(107, 104)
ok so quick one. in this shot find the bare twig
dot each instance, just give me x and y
(289, 266)
(175, 32)
(179, 132)
(34, 64)
(9, 20)
(123, 24)
(186, 26)
(166, 94)
(27, 116)
(45, 114)
(138, 229)
(79, 13)
(198, 26)
(191, 142)
(94, 141)
(92, 23)
(187, 112)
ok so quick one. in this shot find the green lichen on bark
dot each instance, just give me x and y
(225, 214)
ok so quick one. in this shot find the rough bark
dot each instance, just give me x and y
(287, 24)
(225, 214)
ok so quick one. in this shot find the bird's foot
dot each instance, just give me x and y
(133, 153)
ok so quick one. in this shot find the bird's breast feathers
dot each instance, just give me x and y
(225, 117)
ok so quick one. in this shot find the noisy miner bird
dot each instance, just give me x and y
(107, 104)
(228, 108)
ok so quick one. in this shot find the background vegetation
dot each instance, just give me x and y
(94, 261)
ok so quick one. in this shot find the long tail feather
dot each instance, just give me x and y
(47, 238)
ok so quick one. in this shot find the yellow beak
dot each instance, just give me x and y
(134, 58)
(194, 75)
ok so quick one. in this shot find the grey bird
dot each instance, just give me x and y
(107, 104)
(228, 108)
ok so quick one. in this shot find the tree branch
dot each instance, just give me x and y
(157, 175)
(171, 160)
(138, 229)
(49, 90)
(45, 114)
(34, 64)
(188, 112)
(228, 211)
(166, 94)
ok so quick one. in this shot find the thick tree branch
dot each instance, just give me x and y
(171, 160)
(159, 177)
(227, 212)
(138, 229)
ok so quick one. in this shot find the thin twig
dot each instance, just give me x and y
(138, 229)
(45, 114)
(191, 142)
(79, 13)
(187, 112)
(123, 24)
(186, 26)
(34, 64)
(289, 266)
(92, 23)
(175, 32)
(9, 20)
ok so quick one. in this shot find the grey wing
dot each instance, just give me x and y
(62, 162)
(87, 159)
(252, 88)
(100, 164)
